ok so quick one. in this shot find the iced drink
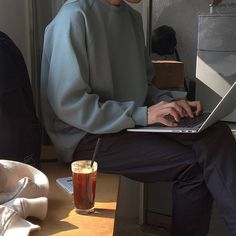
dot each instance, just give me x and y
(84, 185)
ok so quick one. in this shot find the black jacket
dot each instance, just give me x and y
(19, 126)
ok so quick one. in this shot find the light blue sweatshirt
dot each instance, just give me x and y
(96, 75)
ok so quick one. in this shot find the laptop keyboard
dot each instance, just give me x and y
(191, 122)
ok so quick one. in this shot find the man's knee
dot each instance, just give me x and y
(193, 172)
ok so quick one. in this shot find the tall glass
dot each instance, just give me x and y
(84, 185)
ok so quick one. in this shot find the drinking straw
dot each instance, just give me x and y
(95, 152)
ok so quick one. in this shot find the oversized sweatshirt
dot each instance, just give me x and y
(96, 75)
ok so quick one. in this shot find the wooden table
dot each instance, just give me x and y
(63, 220)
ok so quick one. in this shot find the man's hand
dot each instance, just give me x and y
(177, 110)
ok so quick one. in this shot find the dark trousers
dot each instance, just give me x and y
(202, 167)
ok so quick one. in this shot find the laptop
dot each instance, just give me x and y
(195, 125)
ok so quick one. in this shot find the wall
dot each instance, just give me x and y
(14, 21)
(182, 15)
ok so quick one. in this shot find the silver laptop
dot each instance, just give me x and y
(195, 125)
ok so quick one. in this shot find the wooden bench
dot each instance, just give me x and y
(62, 220)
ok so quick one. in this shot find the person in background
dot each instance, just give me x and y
(97, 82)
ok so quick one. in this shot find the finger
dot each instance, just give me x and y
(157, 105)
(160, 104)
(166, 122)
(170, 111)
(197, 105)
(184, 104)
(155, 113)
(177, 107)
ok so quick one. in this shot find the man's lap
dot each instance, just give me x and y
(147, 157)
(136, 155)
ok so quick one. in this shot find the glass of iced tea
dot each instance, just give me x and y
(84, 185)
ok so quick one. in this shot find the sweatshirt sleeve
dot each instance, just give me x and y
(68, 89)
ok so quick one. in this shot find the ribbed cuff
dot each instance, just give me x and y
(166, 98)
(140, 116)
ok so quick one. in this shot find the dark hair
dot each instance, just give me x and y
(164, 40)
